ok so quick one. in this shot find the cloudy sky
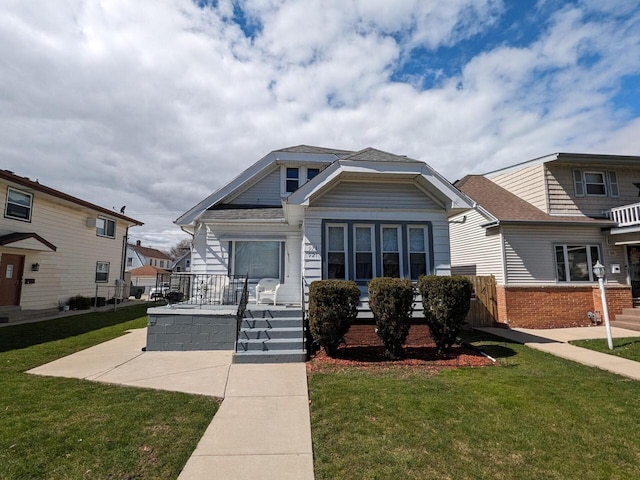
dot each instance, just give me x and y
(154, 104)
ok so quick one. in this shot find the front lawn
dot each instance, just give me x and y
(533, 416)
(58, 428)
(628, 347)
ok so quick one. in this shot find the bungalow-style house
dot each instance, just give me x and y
(138, 256)
(54, 246)
(539, 228)
(306, 213)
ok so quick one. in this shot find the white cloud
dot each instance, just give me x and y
(156, 104)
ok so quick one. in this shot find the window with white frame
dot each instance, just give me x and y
(129, 261)
(574, 263)
(102, 272)
(364, 252)
(336, 252)
(257, 259)
(391, 252)
(292, 180)
(105, 227)
(19, 205)
(595, 183)
(417, 252)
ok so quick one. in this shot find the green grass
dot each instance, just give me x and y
(534, 416)
(622, 347)
(55, 428)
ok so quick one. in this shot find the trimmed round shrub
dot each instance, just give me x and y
(446, 302)
(391, 302)
(333, 307)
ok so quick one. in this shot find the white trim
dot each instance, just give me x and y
(398, 230)
(6, 206)
(372, 232)
(345, 246)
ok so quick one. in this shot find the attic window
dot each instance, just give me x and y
(312, 172)
(292, 180)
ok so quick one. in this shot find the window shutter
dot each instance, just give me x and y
(613, 184)
(578, 183)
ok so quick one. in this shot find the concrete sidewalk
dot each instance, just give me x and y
(262, 429)
(555, 341)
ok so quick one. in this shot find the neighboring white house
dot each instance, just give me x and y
(539, 228)
(307, 213)
(138, 256)
(54, 246)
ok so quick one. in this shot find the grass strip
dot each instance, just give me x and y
(58, 428)
(628, 347)
(533, 416)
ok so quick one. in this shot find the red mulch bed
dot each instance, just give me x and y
(364, 349)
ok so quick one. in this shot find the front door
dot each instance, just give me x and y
(11, 269)
(633, 257)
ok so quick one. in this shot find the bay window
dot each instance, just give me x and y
(336, 252)
(391, 251)
(364, 252)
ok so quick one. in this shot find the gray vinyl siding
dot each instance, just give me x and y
(527, 183)
(473, 245)
(375, 195)
(265, 192)
(530, 255)
(562, 198)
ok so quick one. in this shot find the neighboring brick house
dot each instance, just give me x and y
(138, 256)
(540, 226)
(54, 246)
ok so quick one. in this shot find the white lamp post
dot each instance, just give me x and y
(598, 270)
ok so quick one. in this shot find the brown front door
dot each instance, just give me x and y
(11, 269)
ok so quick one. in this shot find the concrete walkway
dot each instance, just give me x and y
(555, 341)
(262, 429)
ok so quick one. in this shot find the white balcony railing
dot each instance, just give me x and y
(625, 216)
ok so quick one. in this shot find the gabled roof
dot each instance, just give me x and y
(27, 241)
(312, 149)
(505, 206)
(373, 155)
(149, 252)
(147, 271)
(563, 157)
(38, 187)
(366, 162)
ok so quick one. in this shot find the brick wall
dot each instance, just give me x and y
(557, 306)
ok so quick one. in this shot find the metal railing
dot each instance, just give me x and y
(244, 299)
(200, 289)
(626, 215)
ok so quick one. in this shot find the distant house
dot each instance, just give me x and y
(54, 246)
(539, 228)
(138, 256)
(307, 213)
(183, 263)
(146, 276)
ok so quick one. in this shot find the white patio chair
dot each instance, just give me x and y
(215, 289)
(267, 289)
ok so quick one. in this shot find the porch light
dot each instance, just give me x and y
(598, 271)
(35, 267)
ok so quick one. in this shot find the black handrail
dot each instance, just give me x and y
(242, 307)
(200, 289)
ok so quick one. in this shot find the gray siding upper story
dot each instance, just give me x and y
(530, 252)
(528, 183)
(562, 197)
(472, 245)
(376, 195)
(265, 192)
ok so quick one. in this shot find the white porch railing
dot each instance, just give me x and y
(626, 215)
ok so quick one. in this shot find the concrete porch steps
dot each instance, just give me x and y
(629, 319)
(271, 336)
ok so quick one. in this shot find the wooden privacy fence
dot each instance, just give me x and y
(484, 302)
